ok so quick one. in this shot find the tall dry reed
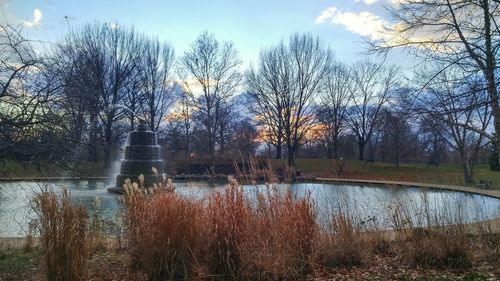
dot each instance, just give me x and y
(163, 232)
(62, 231)
(227, 216)
(268, 240)
(281, 237)
(341, 244)
(432, 239)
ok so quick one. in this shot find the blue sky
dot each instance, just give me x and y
(250, 25)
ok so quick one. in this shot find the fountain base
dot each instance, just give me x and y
(142, 157)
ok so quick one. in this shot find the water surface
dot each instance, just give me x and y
(369, 205)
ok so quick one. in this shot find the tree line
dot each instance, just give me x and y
(76, 102)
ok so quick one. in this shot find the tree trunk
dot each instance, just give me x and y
(468, 168)
(291, 157)
(279, 148)
(222, 142)
(489, 72)
(435, 151)
(329, 151)
(186, 143)
(335, 148)
(92, 156)
(495, 109)
(107, 156)
(132, 121)
(211, 145)
(496, 122)
(108, 145)
(361, 151)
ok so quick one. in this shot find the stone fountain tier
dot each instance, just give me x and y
(142, 153)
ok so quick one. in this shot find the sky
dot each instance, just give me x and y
(250, 25)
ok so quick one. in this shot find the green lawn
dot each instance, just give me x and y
(450, 174)
(13, 169)
(14, 262)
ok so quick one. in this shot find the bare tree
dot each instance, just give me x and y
(186, 120)
(244, 138)
(18, 63)
(451, 33)
(210, 76)
(25, 95)
(433, 134)
(104, 59)
(266, 88)
(156, 84)
(284, 86)
(180, 121)
(373, 85)
(309, 61)
(332, 109)
(134, 97)
(74, 66)
(397, 140)
(462, 105)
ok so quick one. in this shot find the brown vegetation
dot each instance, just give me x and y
(257, 234)
(62, 231)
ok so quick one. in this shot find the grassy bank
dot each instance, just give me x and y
(14, 169)
(448, 174)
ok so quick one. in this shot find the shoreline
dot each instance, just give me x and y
(495, 193)
(18, 242)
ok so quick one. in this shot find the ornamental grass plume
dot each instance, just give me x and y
(62, 228)
(163, 232)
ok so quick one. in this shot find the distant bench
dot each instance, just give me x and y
(484, 184)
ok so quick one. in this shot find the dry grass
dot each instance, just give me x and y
(253, 171)
(436, 243)
(341, 245)
(103, 234)
(227, 220)
(281, 237)
(268, 240)
(257, 234)
(230, 236)
(438, 248)
(62, 231)
(163, 232)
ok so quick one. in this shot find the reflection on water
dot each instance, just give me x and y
(371, 204)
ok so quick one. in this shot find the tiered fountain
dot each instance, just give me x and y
(142, 154)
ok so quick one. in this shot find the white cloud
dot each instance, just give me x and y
(374, 27)
(392, 2)
(364, 23)
(325, 14)
(369, 2)
(395, 2)
(36, 21)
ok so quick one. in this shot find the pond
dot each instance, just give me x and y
(365, 203)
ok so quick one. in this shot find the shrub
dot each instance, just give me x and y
(227, 218)
(281, 238)
(163, 232)
(341, 245)
(268, 240)
(437, 248)
(437, 243)
(62, 231)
